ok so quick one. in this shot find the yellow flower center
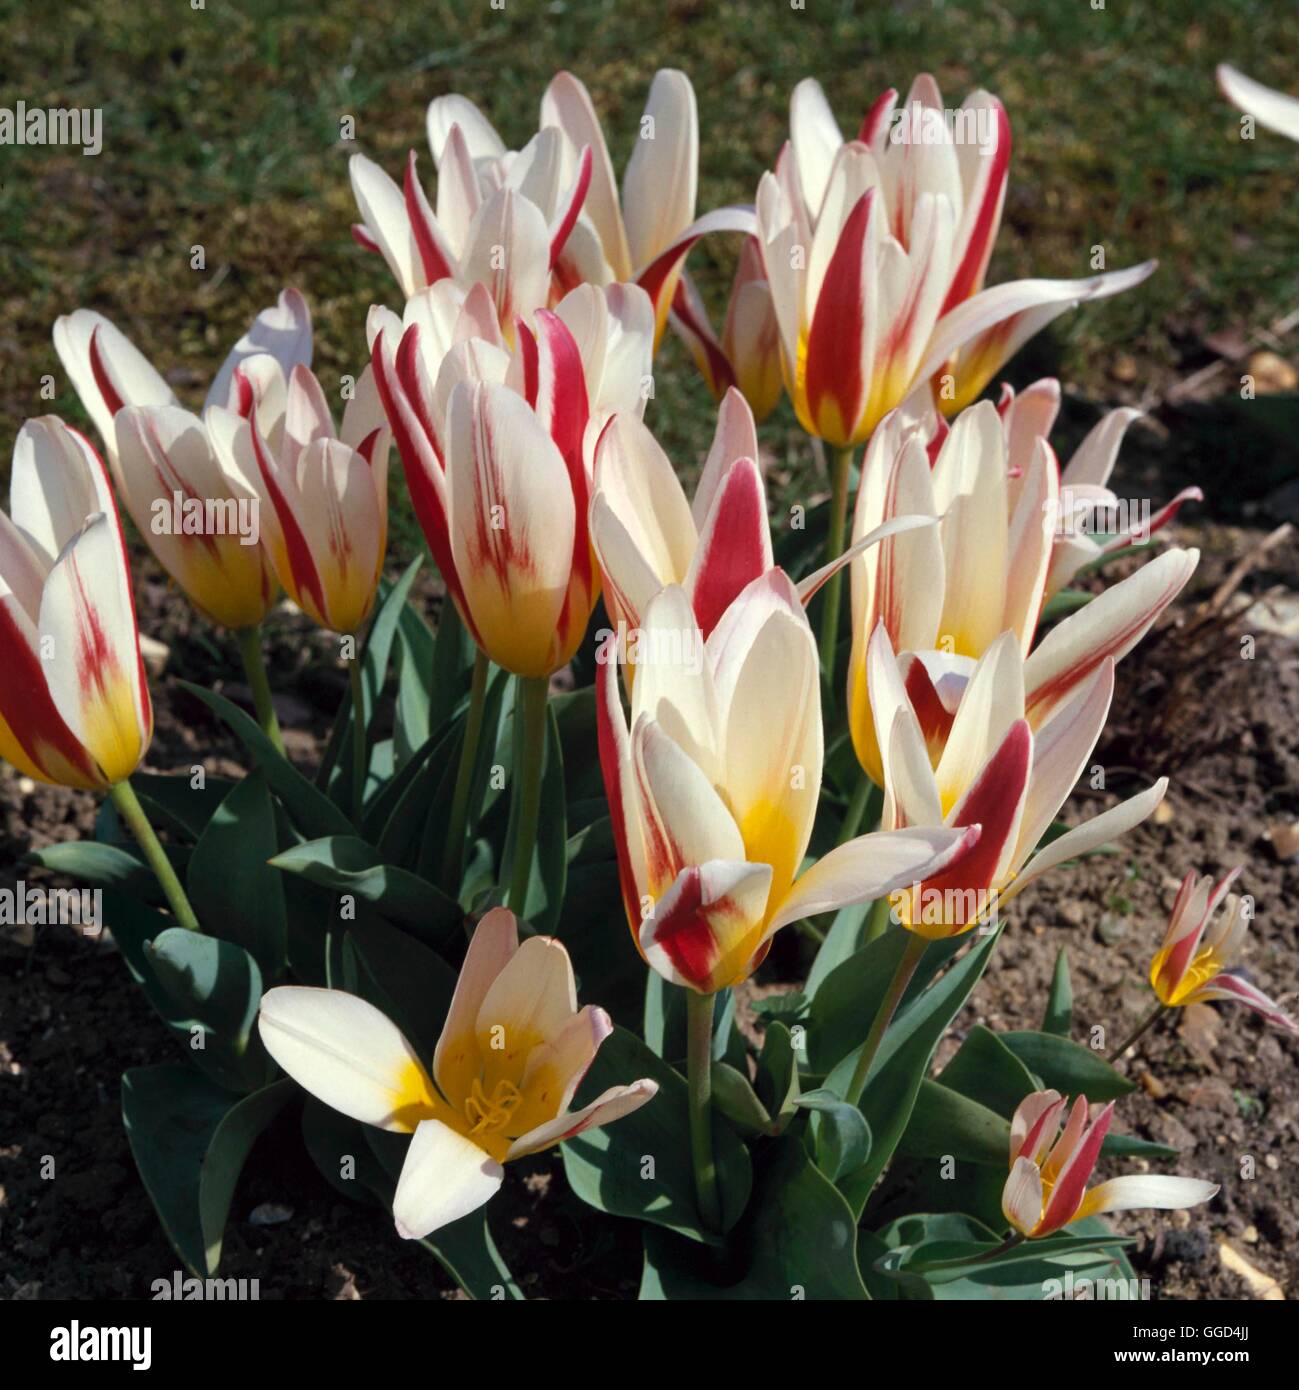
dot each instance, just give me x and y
(490, 1114)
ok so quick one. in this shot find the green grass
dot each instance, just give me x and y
(221, 127)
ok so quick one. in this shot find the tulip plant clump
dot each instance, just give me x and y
(555, 830)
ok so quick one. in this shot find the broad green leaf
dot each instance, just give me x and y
(738, 1101)
(1067, 1066)
(312, 811)
(217, 981)
(902, 1061)
(190, 1139)
(840, 1135)
(102, 866)
(348, 865)
(944, 1122)
(639, 1166)
(175, 803)
(237, 894)
(411, 983)
(799, 1243)
(986, 1070)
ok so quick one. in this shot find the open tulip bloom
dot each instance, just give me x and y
(1200, 943)
(1050, 1167)
(960, 751)
(533, 224)
(713, 790)
(875, 251)
(163, 461)
(74, 704)
(947, 592)
(512, 1052)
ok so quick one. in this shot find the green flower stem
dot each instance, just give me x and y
(839, 471)
(915, 948)
(451, 861)
(360, 763)
(877, 921)
(129, 808)
(699, 1075)
(530, 735)
(1149, 1021)
(249, 640)
(864, 809)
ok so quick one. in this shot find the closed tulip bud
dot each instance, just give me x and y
(74, 705)
(200, 518)
(323, 493)
(1051, 1165)
(511, 1055)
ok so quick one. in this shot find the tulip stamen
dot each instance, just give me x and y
(487, 1114)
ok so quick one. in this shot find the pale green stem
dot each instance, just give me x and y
(130, 810)
(1149, 1021)
(839, 472)
(249, 640)
(915, 948)
(530, 733)
(360, 763)
(699, 1076)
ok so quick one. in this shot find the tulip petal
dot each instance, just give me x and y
(456, 1061)
(659, 185)
(96, 679)
(706, 927)
(383, 209)
(282, 331)
(348, 1054)
(874, 866)
(1021, 1198)
(607, 1107)
(445, 1176)
(1090, 835)
(734, 545)
(1110, 626)
(1270, 108)
(1227, 986)
(1139, 1191)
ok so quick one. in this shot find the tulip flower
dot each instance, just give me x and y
(1050, 1167)
(713, 789)
(1191, 965)
(324, 492)
(534, 224)
(948, 592)
(502, 222)
(74, 704)
(495, 447)
(876, 251)
(511, 1055)
(159, 452)
(1272, 109)
(962, 751)
(748, 353)
(646, 535)
(164, 465)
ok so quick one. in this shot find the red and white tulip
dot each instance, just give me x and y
(512, 1052)
(323, 492)
(497, 445)
(876, 249)
(163, 461)
(1054, 1150)
(713, 788)
(958, 748)
(949, 591)
(1191, 967)
(74, 703)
